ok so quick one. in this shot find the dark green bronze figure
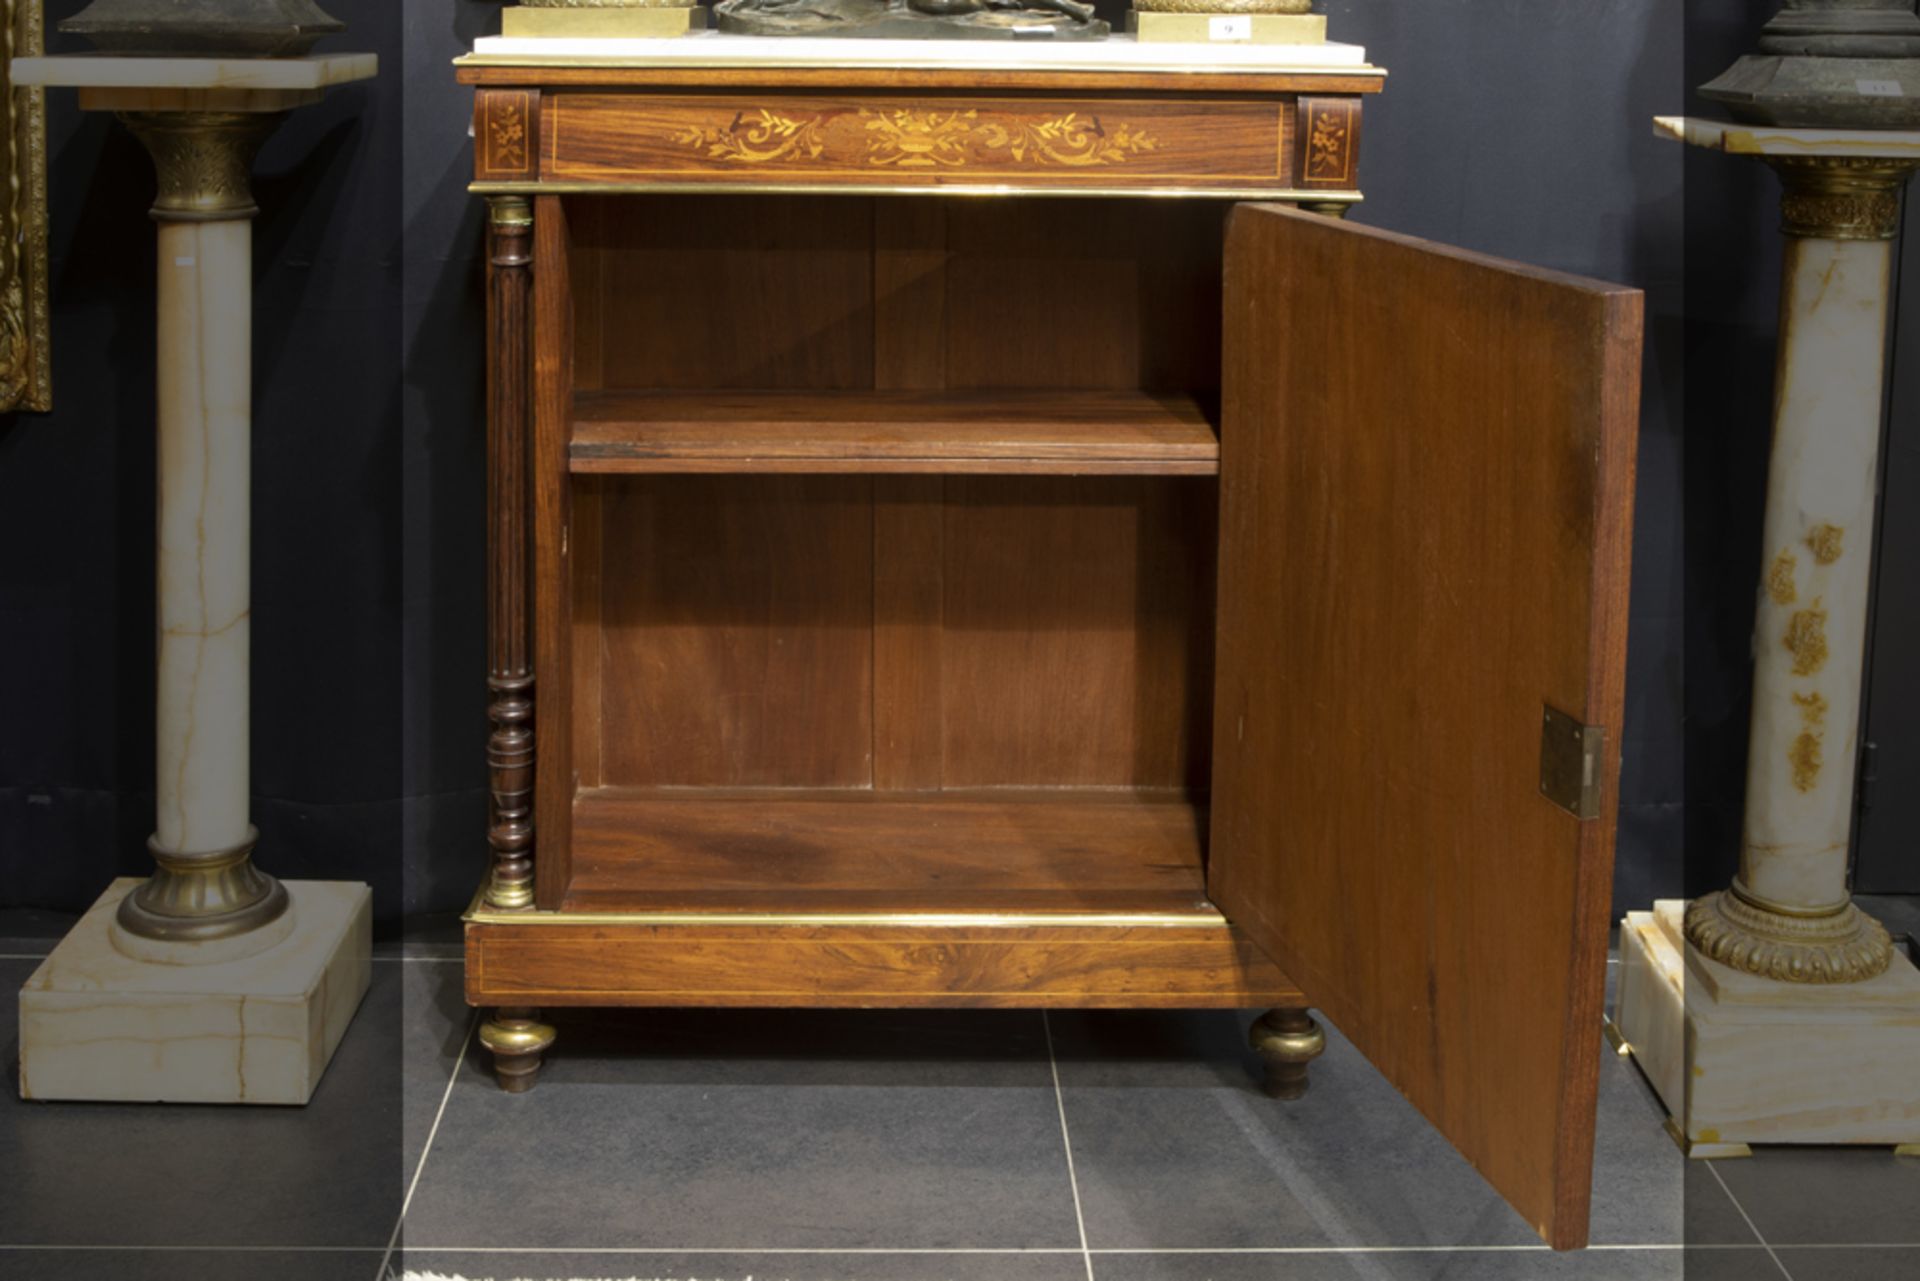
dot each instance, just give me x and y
(914, 19)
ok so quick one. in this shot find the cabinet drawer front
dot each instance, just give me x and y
(919, 141)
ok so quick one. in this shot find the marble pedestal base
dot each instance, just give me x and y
(1739, 1059)
(97, 1024)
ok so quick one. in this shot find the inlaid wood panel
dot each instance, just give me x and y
(506, 135)
(857, 966)
(737, 617)
(1078, 635)
(917, 140)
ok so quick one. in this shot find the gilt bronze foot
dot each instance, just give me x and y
(1288, 1040)
(517, 1039)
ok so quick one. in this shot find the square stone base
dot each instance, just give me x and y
(1739, 1059)
(95, 1024)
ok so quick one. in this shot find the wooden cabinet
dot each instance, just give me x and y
(901, 597)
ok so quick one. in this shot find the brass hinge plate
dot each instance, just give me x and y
(1570, 755)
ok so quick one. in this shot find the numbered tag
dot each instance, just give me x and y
(1230, 27)
(1879, 88)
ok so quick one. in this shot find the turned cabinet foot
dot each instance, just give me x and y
(1288, 1040)
(517, 1040)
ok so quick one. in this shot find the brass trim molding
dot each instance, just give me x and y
(479, 913)
(1841, 197)
(203, 159)
(26, 325)
(1846, 946)
(1283, 195)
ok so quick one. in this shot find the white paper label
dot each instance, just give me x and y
(1879, 88)
(1232, 27)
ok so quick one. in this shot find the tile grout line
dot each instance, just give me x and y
(1066, 1141)
(1751, 1225)
(406, 1203)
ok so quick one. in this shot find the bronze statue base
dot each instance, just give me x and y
(868, 20)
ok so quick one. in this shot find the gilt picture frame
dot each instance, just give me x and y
(26, 381)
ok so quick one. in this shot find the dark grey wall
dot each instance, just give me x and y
(1516, 127)
(77, 506)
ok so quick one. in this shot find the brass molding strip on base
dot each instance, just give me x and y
(535, 188)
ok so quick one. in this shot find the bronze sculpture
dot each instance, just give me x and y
(914, 19)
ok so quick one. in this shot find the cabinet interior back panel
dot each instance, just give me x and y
(726, 292)
(736, 618)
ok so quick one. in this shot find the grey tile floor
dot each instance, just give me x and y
(712, 1146)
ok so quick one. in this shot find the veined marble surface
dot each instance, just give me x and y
(1767, 140)
(205, 470)
(1810, 630)
(104, 71)
(95, 1024)
(1119, 53)
(1741, 1059)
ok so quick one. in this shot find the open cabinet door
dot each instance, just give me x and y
(1426, 501)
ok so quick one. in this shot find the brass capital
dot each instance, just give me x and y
(510, 212)
(1841, 197)
(1843, 946)
(204, 160)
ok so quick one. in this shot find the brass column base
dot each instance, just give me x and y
(195, 898)
(1842, 946)
(1288, 1040)
(517, 1040)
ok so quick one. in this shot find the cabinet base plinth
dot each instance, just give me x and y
(96, 1024)
(1738, 1059)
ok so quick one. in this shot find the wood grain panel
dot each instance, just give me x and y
(917, 141)
(1083, 966)
(836, 851)
(1109, 294)
(588, 586)
(552, 575)
(909, 295)
(1426, 497)
(739, 631)
(1078, 642)
(909, 532)
(1076, 433)
(728, 292)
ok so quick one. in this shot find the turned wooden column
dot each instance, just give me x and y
(510, 704)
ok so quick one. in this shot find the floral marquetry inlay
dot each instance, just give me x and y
(765, 137)
(508, 136)
(921, 138)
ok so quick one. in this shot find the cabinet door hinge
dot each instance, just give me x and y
(1570, 755)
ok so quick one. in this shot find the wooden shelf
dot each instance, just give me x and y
(1018, 432)
(804, 852)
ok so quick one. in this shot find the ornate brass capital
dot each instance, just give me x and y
(1841, 197)
(196, 897)
(204, 160)
(1845, 946)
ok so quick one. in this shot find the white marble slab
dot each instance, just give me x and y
(104, 71)
(98, 1025)
(1741, 1059)
(1767, 140)
(721, 49)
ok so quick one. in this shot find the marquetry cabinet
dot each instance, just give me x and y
(945, 551)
